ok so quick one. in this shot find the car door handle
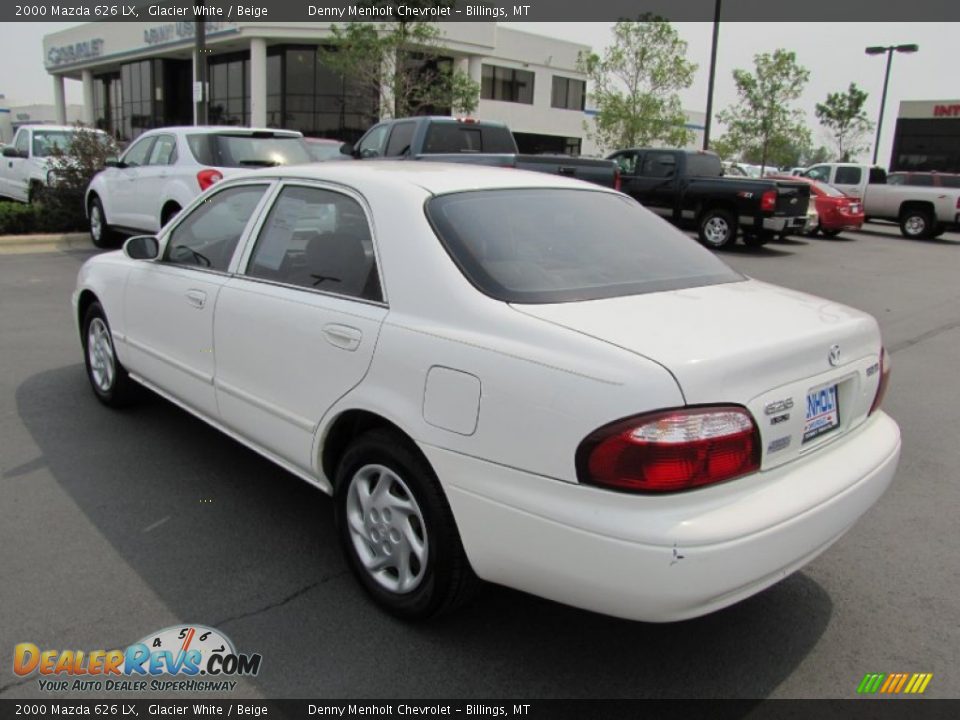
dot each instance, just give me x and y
(197, 298)
(343, 336)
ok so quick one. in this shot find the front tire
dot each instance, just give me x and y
(916, 224)
(829, 233)
(717, 228)
(101, 234)
(108, 378)
(396, 528)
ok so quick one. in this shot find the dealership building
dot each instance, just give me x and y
(927, 136)
(137, 76)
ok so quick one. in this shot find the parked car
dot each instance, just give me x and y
(25, 168)
(734, 170)
(836, 210)
(324, 149)
(922, 212)
(163, 170)
(924, 179)
(467, 140)
(505, 375)
(687, 187)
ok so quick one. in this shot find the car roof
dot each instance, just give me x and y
(210, 129)
(436, 178)
(57, 128)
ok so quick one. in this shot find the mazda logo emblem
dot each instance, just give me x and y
(834, 355)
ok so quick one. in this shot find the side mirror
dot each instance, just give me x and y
(11, 152)
(114, 163)
(346, 149)
(142, 247)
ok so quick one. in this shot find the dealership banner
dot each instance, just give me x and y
(482, 709)
(475, 10)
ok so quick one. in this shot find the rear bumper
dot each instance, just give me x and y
(668, 558)
(783, 224)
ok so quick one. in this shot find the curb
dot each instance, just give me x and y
(59, 241)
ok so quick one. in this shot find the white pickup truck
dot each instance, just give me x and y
(25, 164)
(923, 212)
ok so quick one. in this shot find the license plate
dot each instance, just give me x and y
(823, 413)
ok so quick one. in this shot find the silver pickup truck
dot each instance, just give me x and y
(922, 212)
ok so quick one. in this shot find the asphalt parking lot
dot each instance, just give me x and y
(113, 525)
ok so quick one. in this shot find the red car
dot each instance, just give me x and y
(838, 211)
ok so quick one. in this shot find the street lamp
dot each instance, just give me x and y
(713, 72)
(889, 50)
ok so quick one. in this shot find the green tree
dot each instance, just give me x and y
(71, 170)
(635, 84)
(843, 116)
(402, 59)
(762, 125)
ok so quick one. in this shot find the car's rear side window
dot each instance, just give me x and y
(317, 239)
(554, 245)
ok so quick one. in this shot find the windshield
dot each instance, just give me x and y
(248, 150)
(44, 141)
(560, 245)
(325, 151)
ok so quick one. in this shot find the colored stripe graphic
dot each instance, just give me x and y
(894, 683)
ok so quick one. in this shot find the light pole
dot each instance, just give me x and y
(889, 50)
(713, 71)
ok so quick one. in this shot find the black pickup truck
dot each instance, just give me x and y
(687, 187)
(465, 140)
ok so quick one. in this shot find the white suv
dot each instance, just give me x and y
(165, 169)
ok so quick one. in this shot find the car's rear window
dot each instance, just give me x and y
(248, 150)
(450, 137)
(558, 245)
(829, 190)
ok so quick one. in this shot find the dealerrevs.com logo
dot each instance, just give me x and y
(187, 658)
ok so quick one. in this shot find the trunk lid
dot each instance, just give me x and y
(746, 343)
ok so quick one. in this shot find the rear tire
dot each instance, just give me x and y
(108, 378)
(717, 228)
(101, 234)
(396, 529)
(169, 213)
(829, 233)
(916, 224)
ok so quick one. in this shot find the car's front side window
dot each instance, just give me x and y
(138, 152)
(208, 236)
(317, 239)
(164, 151)
(372, 144)
(820, 172)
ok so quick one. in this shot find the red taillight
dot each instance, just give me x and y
(671, 450)
(884, 381)
(768, 201)
(617, 180)
(207, 177)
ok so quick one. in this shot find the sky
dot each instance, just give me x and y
(833, 52)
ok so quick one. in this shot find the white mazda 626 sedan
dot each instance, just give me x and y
(508, 376)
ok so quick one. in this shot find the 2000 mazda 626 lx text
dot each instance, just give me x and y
(508, 376)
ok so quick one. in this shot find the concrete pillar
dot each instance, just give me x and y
(89, 103)
(196, 75)
(59, 100)
(258, 82)
(475, 67)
